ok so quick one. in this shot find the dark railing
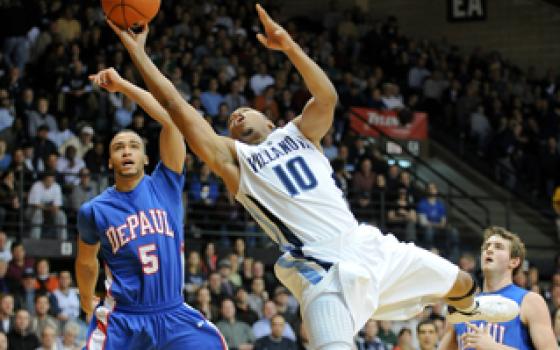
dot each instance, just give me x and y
(451, 185)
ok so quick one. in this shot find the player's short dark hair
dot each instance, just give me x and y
(124, 131)
(425, 322)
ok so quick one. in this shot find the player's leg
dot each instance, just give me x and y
(188, 330)
(328, 322)
(464, 306)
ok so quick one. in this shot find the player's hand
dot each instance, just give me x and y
(108, 79)
(132, 40)
(89, 305)
(276, 38)
(478, 338)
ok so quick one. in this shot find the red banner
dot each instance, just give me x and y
(367, 122)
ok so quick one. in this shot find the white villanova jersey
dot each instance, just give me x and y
(287, 185)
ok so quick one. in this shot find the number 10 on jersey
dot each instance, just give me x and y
(296, 176)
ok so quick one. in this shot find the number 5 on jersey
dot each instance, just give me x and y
(148, 258)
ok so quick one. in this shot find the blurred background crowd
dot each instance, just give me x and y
(55, 127)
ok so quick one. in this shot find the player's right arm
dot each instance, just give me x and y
(216, 151)
(449, 339)
(87, 267)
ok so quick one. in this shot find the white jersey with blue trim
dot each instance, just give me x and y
(286, 184)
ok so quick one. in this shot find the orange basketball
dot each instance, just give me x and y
(130, 13)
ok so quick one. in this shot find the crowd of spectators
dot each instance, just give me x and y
(55, 126)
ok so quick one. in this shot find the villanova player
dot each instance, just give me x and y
(138, 226)
(502, 255)
(341, 273)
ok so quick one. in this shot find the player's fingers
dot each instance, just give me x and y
(92, 77)
(262, 39)
(473, 327)
(263, 16)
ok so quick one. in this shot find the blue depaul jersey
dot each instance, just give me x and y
(141, 235)
(513, 333)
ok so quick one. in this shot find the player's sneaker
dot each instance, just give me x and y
(490, 308)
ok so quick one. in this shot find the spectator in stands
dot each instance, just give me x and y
(258, 296)
(69, 340)
(19, 263)
(235, 99)
(242, 309)
(341, 176)
(432, 217)
(363, 208)
(203, 193)
(363, 179)
(5, 247)
(481, 130)
(262, 327)
(393, 181)
(391, 97)
(69, 28)
(42, 147)
(194, 277)
(234, 276)
(5, 285)
(404, 340)
(286, 304)
(84, 191)
(41, 117)
(46, 281)
(217, 290)
(76, 88)
(67, 298)
(83, 143)
(401, 216)
(45, 204)
(211, 98)
(329, 148)
(224, 269)
(261, 79)
(20, 166)
(267, 101)
(204, 304)
(386, 334)
(7, 111)
(48, 338)
(70, 165)
(7, 317)
(9, 202)
(34, 163)
(62, 134)
(21, 338)
(123, 114)
(270, 280)
(237, 334)
(467, 263)
(427, 335)
(275, 340)
(42, 319)
(210, 262)
(370, 340)
(5, 157)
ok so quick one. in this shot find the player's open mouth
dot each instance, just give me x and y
(128, 163)
(488, 259)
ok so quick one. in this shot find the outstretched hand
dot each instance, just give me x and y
(276, 38)
(108, 79)
(130, 39)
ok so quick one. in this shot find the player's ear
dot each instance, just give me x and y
(146, 160)
(514, 263)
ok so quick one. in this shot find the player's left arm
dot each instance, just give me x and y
(171, 145)
(317, 116)
(535, 314)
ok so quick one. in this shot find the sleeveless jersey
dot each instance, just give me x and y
(141, 235)
(513, 333)
(287, 186)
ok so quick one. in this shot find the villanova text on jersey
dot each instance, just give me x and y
(144, 222)
(283, 147)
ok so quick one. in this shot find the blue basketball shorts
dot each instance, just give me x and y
(178, 328)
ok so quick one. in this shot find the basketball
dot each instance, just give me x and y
(130, 13)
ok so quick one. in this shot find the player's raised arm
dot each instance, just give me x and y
(216, 151)
(317, 116)
(172, 146)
